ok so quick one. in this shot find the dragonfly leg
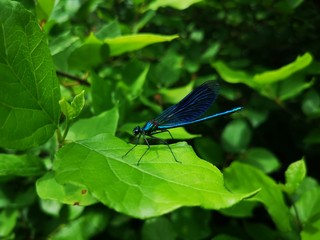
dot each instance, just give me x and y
(145, 139)
(163, 141)
(133, 146)
(166, 130)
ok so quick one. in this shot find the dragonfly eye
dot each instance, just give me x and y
(136, 130)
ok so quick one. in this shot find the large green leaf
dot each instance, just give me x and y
(29, 91)
(158, 185)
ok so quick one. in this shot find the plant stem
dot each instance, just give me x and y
(65, 133)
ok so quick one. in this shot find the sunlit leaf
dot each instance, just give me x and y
(295, 174)
(282, 73)
(8, 220)
(158, 185)
(231, 75)
(172, 3)
(68, 193)
(129, 43)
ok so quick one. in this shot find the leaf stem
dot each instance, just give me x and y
(61, 138)
(66, 130)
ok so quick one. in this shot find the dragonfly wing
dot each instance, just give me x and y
(191, 107)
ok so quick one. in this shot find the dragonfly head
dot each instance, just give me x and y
(136, 130)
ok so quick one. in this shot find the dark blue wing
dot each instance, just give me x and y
(191, 107)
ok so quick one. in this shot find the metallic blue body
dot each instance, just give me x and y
(187, 111)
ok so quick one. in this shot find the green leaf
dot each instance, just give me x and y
(262, 81)
(50, 207)
(158, 229)
(150, 104)
(191, 223)
(78, 103)
(19, 196)
(232, 76)
(66, 108)
(236, 136)
(68, 193)
(243, 177)
(89, 54)
(307, 206)
(292, 87)
(259, 231)
(311, 231)
(295, 174)
(242, 209)
(262, 158)
(23, 165)
(282, 73)
(110, 30)
(158, 185)
(177, 4)
(210, 150)
(44, 8)
(105, 122)
(61, 47)
(129, 43)
(175, 95)
(89, 224)
(72, 110)
(257, 116)
(8, 220)
(29, 92)
(311, 104)
(313, 137)
(101, 93)
(211, 52)
(137, 86)
(168, 70)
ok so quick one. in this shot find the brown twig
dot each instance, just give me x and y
(75, 78)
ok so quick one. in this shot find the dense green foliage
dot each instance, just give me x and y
(78, 75)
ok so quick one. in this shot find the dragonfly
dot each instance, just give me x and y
(188, 111)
